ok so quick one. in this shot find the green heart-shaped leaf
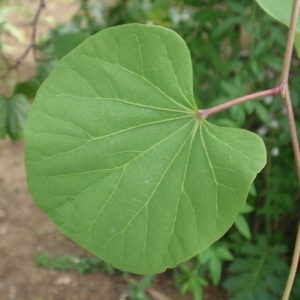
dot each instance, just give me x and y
(118, 157)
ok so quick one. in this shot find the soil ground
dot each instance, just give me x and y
(25, 231)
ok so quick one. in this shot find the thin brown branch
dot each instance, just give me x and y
(293, 269)
(42, 5)
(32, 44)
(295, 142)
(288, 104)
(290, 45)
(291, 118)
(124, 295)
(205, 113)
(156, 295)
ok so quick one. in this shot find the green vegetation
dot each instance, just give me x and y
(83, 265)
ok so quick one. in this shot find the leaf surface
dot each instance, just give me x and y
(119, 159)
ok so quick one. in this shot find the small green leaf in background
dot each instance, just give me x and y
(224, 254)
(18, 108)
(247, 208)
(138, 289)
(215, 268)
(225, 26)
(262, 113)
(297, 42)
(189, 280)
(252, 192)
(273, 62)
(3, 117)
(242, 226)
(82, 265)
(118, 157)
(241, 222)
(27, 88)
(13, 114)
(213, 256)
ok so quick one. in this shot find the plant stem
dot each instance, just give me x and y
(293, 269)
(288, 104)
(290, 44)
(295, 261)
(291, 118)
(205, 113)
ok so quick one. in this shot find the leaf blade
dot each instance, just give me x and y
(117, 157)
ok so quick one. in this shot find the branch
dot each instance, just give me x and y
(290, 114)
(205, 113)
(293, 269)
(32, 44)
(290, 45)
(154, 294)
(288, 104)
(295, 142)
(291, 118)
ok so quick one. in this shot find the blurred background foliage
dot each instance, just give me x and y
(236, 49)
